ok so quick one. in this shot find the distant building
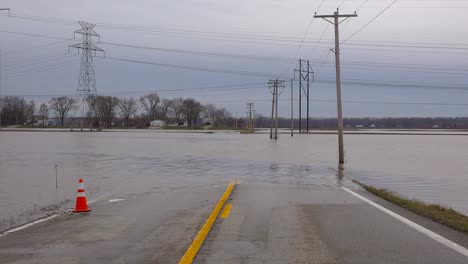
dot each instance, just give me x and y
(436, 126)
(53, 122)
(372, 126)
(359, 126)
(41, 122)
(208, 121)
(157, 123)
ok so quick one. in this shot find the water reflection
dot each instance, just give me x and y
(340, 175)
(430, 168)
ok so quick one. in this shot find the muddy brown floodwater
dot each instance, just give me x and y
(431, 168)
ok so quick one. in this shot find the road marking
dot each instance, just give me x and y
(206, 228)
(43, 219)
(116, 200)
(28, 225)
(98, 198)
(226, 211)
(442, 240)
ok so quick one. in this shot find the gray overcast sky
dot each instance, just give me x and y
(432, 32)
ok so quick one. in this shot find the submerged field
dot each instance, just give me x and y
(429, 168)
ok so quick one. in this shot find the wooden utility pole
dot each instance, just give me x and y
(307, 95)
(236, 120)
(274, 89)
(272, 110)
(300, 98)
(336, 17)
(1, 99)
(276, 110)
(292, 109)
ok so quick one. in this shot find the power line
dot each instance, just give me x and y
(37, 46)
(41, 61)
(292, 40)
(32, 35)
(420, 70)
(250, 57)
(365, 2)
(293, 43)
(261, 58)
(372, 20)
(217, 70)
(308, 28)
(41, 70)
(193, 52)
(190, 89)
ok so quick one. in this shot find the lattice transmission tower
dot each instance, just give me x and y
(86, 80)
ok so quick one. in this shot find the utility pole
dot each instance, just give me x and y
(1, 98)
(300, 96)
(276, 111)
(273, 92)
(250, 107)
(336, 17)
(307, 95)
(56, 187)
(254, 118)
(292, 109)
(86, 81)
(236, 120)
(304, 75)
(274, 88)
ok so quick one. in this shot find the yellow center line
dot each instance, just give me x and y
(206, 228)
(226, 211)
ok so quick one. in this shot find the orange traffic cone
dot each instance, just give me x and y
(81, 203)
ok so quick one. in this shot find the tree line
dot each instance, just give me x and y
(368, 122)
(105, 111)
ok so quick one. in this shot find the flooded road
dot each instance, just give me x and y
(122, 165)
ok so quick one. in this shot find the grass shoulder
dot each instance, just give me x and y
(438, 213)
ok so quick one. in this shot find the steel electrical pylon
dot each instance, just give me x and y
(304, 76)
(86, 80)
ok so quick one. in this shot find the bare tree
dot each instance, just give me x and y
(222, 115)
(30, 110)
(13, 110)
(61, 106)
(43, 113)
(103, 107)
(218, 116)
(192, 110)
(177, 106)
(209, 112)
(150, 104)
(128, 107)
(165, 109)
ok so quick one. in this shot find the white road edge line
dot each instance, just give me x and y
(98, 198)
(116, 200)
(28, 225)
(43, 219)
(442, 240)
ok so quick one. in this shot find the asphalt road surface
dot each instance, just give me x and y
(268, 223)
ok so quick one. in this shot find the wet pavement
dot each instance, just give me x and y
(291, 224)
(153, 228)
(268, 223)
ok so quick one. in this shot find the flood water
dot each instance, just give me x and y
(432, 168)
